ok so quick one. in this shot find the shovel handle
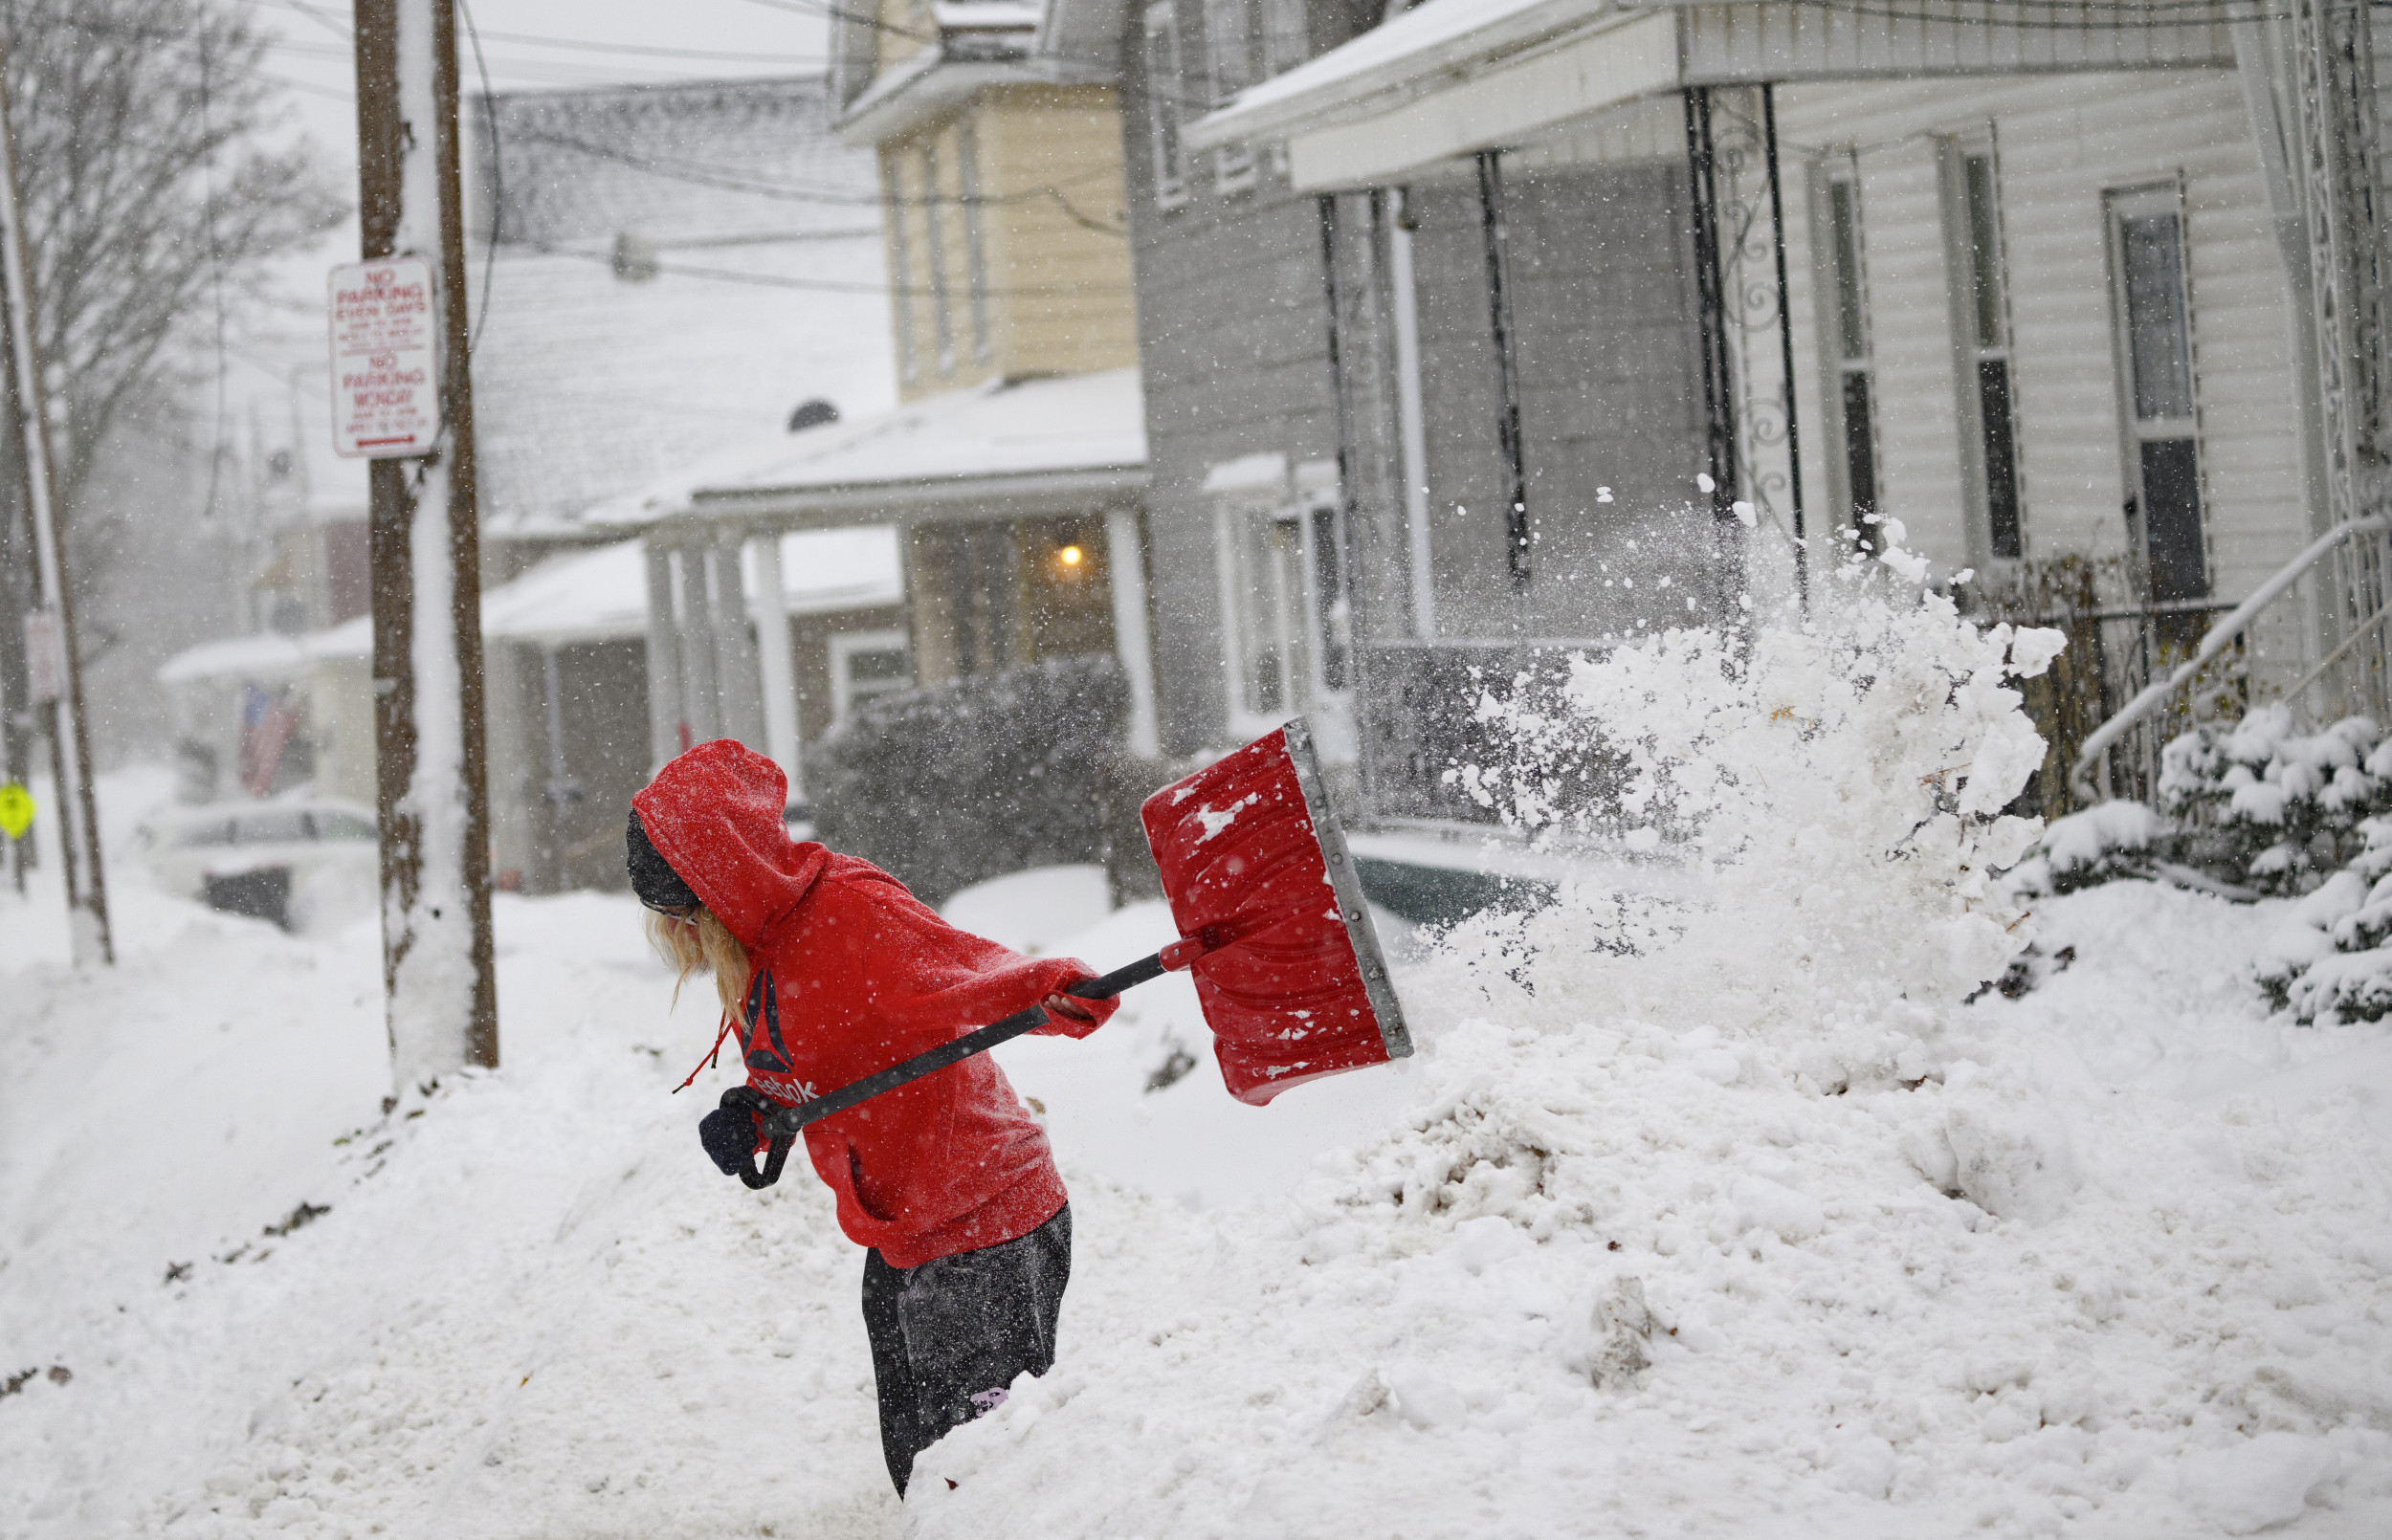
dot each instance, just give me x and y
(783, 1124)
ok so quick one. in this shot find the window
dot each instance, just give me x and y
(1986, 332)
(864, 663)
(1286, 637)
(1286, 35)
(900, 266)
(1162, 104)
(1229, 53)
(1853, 382)
(934, 247)
(975, 239)
(2155, 346)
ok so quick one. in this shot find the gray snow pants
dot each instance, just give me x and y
(949, 1336)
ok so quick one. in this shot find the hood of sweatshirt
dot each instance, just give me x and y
(714, 814)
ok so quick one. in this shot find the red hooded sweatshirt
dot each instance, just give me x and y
(849, 972)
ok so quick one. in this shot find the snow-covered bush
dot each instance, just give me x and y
(2266, 805)
(2103, 843)
(2327, 960)
(951, 784)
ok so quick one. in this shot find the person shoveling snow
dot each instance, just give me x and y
(858, 1012)
(830, 970)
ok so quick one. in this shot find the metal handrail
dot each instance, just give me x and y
(2152, 696)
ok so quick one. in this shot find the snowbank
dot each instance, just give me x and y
(1730, 1218)
(1721, 1215)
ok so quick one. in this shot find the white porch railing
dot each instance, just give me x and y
(2099, 742)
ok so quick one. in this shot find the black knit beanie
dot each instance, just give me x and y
(653, 878)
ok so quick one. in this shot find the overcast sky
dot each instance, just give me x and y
(534, 43)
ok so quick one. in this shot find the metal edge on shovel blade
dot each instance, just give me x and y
(1352, 907)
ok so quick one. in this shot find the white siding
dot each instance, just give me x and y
(2061, 140)
(1918, 459)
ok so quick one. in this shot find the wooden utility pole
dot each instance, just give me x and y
(431, 788)
(58, 676)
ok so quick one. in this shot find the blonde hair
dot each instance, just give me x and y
(702, 941)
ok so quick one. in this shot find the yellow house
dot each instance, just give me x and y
(1004, 225)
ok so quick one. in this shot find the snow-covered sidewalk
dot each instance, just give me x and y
(529, 1308)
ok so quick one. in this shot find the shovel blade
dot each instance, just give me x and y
(1253, 857)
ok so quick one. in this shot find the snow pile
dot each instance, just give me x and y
(2276, 807)
(1727, 1217)
(1720, 1217)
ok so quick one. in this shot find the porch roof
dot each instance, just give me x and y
(267, 655)
(1001, 451)
(602, 595)
(1451, 77)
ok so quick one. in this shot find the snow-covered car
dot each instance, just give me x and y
(289, 860)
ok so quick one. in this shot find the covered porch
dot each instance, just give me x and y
(1876, 332)
(1018, 507)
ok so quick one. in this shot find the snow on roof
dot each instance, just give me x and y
(1405, 55)
(350, 640)
(268, 655)
(943, 448)
(746, 300)
(587, 596)
(602, 595)
(1248, 473)
(582, 595)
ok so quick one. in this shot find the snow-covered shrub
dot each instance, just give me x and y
(2328, 959)
(2103, 843)
(2266, 805)
(950, 784)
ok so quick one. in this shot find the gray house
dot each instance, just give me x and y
(2091, 303)
(1395, 433)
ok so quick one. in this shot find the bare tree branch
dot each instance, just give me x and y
(151, 194)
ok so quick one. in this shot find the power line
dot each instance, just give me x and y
(698, 174)
(574, 44)
(770, 281)
(498, 185)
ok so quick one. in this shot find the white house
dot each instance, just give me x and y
(2051, 282)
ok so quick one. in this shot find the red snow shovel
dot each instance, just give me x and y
(1272, 929)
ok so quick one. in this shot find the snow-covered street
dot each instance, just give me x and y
(529, 1307)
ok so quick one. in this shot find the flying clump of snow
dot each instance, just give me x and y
(1719, 1210)
(1837, 782)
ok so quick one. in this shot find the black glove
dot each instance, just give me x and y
(729, 1136)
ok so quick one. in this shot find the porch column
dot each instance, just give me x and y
(1411, 423)
(702, 707)
(1125, 563)
(667, 719)
(770, 605)
(740, 709)
(559, 791)
(1497, 237)
(1711, 301)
